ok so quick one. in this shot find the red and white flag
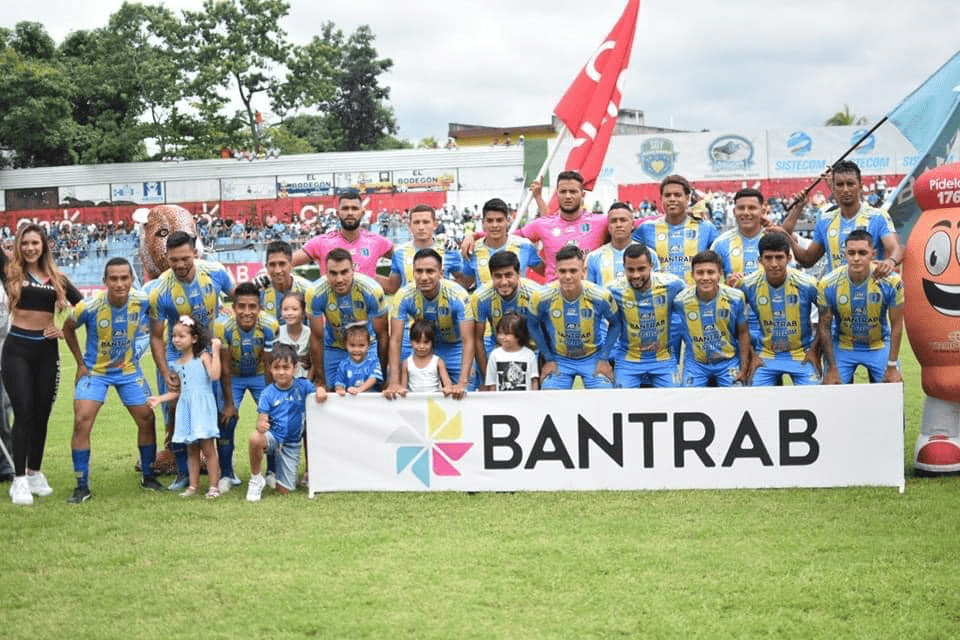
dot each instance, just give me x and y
(590, 106)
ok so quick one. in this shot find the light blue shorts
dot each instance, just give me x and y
(773, 369)
(634, 375)
(288, 457)
(569, 368)
(131, 387)
(875, 362)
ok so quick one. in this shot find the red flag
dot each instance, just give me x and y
(590, 106)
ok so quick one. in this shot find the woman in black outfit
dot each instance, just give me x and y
(30, 361)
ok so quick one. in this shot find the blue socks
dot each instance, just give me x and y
(81, 466)
(148, 455)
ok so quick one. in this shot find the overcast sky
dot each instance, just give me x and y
(696, 64)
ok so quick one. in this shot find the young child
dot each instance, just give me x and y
(423, 371)
(295, 332)
(196, 416)
(512, 366)
(361, 371)
(280, 417)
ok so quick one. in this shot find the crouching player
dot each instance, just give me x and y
(854, 307)
(713, 324)
(280, 416)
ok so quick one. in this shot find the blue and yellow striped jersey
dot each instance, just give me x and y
(446, 311)
(476, 265)
(860, 310)
(645, 317)
(783, 312)
(364, 302)
(711, 328)
(247, 347)
(488, 307)
(271, 299)
(832, 230)
(605, 264)
(402, 261)
(575, 328)
(112, 331)
(200, 298)
(740, 254)
(676, 244)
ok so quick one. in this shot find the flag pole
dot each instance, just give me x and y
(528, 195)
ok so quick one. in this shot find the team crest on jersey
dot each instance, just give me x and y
(693, 315)
(874, 298)
(359, 305)
(842, 299)
(657, 157)
(585, 227)
(792, 299)
(180, 300)
(443, 311)
(762, 300)
(104, 323)
(735, 251)
(268, 306)
(661, 237)
(659, 299)
(365, 252)
(556, 313)
(691, 234)
(586, 313)
(332, 307)
(723, 314)
(834, 233)
(555, 231)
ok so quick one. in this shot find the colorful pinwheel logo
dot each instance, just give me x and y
(436, 454)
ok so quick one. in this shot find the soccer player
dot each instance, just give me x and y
(281, 279)
(831, 231)
(738, 247)
(246, 340)
(854, 311)
(113, 318)
(571, 314)
(644, 357)
(782, 298)
(676, 237)
(605, 264)
(714, 327)
(496, 224)
(365, 247)
(190, 287)
(443, 303)
(506, 292)
(423, 226)
(337, 301)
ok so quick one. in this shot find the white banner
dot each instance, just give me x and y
(618, 439)
(139, 192)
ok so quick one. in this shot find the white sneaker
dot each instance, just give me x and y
(271, 480)
(20, 491)
(255, 488)
(224, 485)
(38, 484)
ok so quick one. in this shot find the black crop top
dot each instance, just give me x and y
(38, 296)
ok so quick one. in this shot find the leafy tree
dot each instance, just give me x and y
(429, 142)
(30, 39)
(844, 118)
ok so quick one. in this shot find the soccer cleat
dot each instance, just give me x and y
(38, 484)
(255, 488)
(225, 484)
(20, 491)
(80, 495)
(234, 480)
(179, 484)
(151, 484)
(271, 479)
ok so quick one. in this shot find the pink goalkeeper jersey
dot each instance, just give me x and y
(366, 250)
(587, 231)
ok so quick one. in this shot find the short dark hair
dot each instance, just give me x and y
(117, 262)
(338, 255)
(619, 205)
(514, 324)
(283, 352)
(748, 192)
(568, 251)
(357, 329)
(427, 253)
(774, 241)
(495, 204)
(420, 208)
(570, 175)
(675, 179)
(859, 234)
(180, 238)
(503, 259)
(423, 330)
(637, 250)
(705, 257)
(348, 194)
(279, 246)
(846, 166)
(247, 289)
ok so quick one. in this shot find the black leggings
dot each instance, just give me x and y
(31, 375)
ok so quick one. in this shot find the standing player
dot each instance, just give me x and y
(646, 339)
(281, 280)
(854, 307)
(782, 299)
(113, 319)
(571, 314)
(246, 340)
(676, 237)
(334, 303)
(714, 327)
(605, 264)
(830, 233)
(190, 287)
(365, 247)
(423, 226)
(444, 304)
(496, 224)
(738, 247)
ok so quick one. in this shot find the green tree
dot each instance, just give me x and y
(844, 118)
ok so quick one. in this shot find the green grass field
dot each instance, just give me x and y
(837, 563)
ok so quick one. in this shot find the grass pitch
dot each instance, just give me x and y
(804, 563)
